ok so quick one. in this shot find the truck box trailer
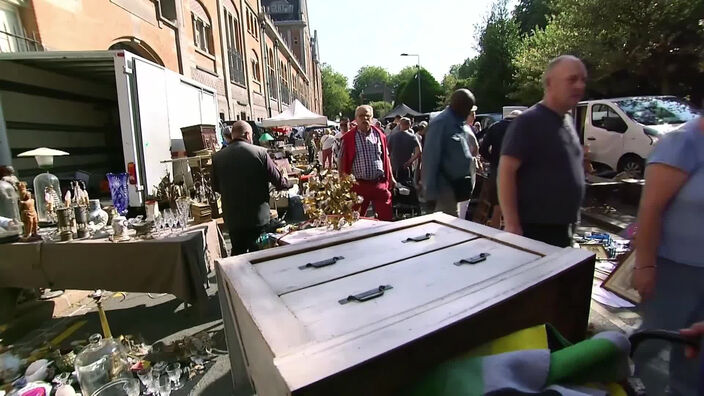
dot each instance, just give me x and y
(112, 111)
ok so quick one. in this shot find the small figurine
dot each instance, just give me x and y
(67, 199)
(28, 213)
(51, 202)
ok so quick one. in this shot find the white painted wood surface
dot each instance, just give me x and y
(415, 282)
(294, 332)
(284, 275)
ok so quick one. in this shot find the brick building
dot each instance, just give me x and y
(258, 55)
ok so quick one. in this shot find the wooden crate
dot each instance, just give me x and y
(292, 328)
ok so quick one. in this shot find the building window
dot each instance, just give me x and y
(271, 77)
(202, 30)
(256, 71)
(167, 10)
(234, 49)
(252, 25)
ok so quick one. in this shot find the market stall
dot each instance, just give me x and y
(175, 263)
(296, 115)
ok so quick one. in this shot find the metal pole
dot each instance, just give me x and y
(420, 110)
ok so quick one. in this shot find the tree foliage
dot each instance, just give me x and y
(630, 47)
(431, 92)
(367, 76)
(498, 41)
(532, 14)
(400, 79)
(381, 108)
(336, 97)
(462, 75)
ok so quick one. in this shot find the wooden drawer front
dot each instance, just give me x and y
(285, 276)
(415, 282)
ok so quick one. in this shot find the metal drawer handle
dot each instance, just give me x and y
(419, 238)
(322, 263)
(367, 295)
(473, 260)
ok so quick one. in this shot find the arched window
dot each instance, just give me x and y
(256, 71)
(202, 28)
(235, 55)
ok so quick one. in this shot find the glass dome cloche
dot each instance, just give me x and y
(47, 191)
(104, 360)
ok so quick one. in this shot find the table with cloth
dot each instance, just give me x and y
(177, 264)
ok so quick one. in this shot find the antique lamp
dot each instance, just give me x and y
(46, 186)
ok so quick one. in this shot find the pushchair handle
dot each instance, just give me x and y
(666, 335)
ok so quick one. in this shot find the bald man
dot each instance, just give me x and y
(448, 153)
(241, 174)
(541, 172)
(365, 155)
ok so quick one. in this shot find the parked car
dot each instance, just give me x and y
(488, 119)
(506, 110)
(621, 132)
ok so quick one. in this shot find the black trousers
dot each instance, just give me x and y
(559, 235)
(245, 240)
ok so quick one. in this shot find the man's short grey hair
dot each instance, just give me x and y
(554, 62)
(366, 107)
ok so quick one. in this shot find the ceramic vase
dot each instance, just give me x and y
(97, 215)
(118, 191)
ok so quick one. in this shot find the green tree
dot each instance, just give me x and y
(431, 92)
(368, 76)
(462, 75)
(532, 14)
(336, 97)
(399, 80)
(381, 108)
(498, 40)
(630, 47)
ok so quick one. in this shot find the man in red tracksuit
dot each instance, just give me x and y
(365, 155)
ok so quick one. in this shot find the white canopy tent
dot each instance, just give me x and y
(296, 115)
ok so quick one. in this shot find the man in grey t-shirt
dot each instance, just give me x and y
(541, 171)
(402, 145)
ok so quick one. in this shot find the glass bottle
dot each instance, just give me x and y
(101, 362)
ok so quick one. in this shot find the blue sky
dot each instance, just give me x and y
(356, 33)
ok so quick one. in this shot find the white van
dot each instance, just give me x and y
(620, 133)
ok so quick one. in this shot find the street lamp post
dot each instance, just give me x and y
(420, 110)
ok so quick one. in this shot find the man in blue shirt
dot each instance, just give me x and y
(447, 152)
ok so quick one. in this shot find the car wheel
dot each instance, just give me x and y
(633, 165)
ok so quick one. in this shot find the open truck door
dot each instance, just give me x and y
(152, 115)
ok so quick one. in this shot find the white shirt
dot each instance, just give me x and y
(327, 141)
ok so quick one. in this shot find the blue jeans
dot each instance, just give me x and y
(678, 301)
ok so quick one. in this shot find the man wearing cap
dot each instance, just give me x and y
(447, 154)
(365, 156)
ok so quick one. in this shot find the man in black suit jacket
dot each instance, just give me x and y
(241, 174)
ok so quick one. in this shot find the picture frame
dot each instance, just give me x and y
(619, 281)
(596, 248)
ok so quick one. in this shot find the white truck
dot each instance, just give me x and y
(622, 132)
(112, 111)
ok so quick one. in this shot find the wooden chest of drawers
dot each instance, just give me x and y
(199, 137)
(367, 312)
